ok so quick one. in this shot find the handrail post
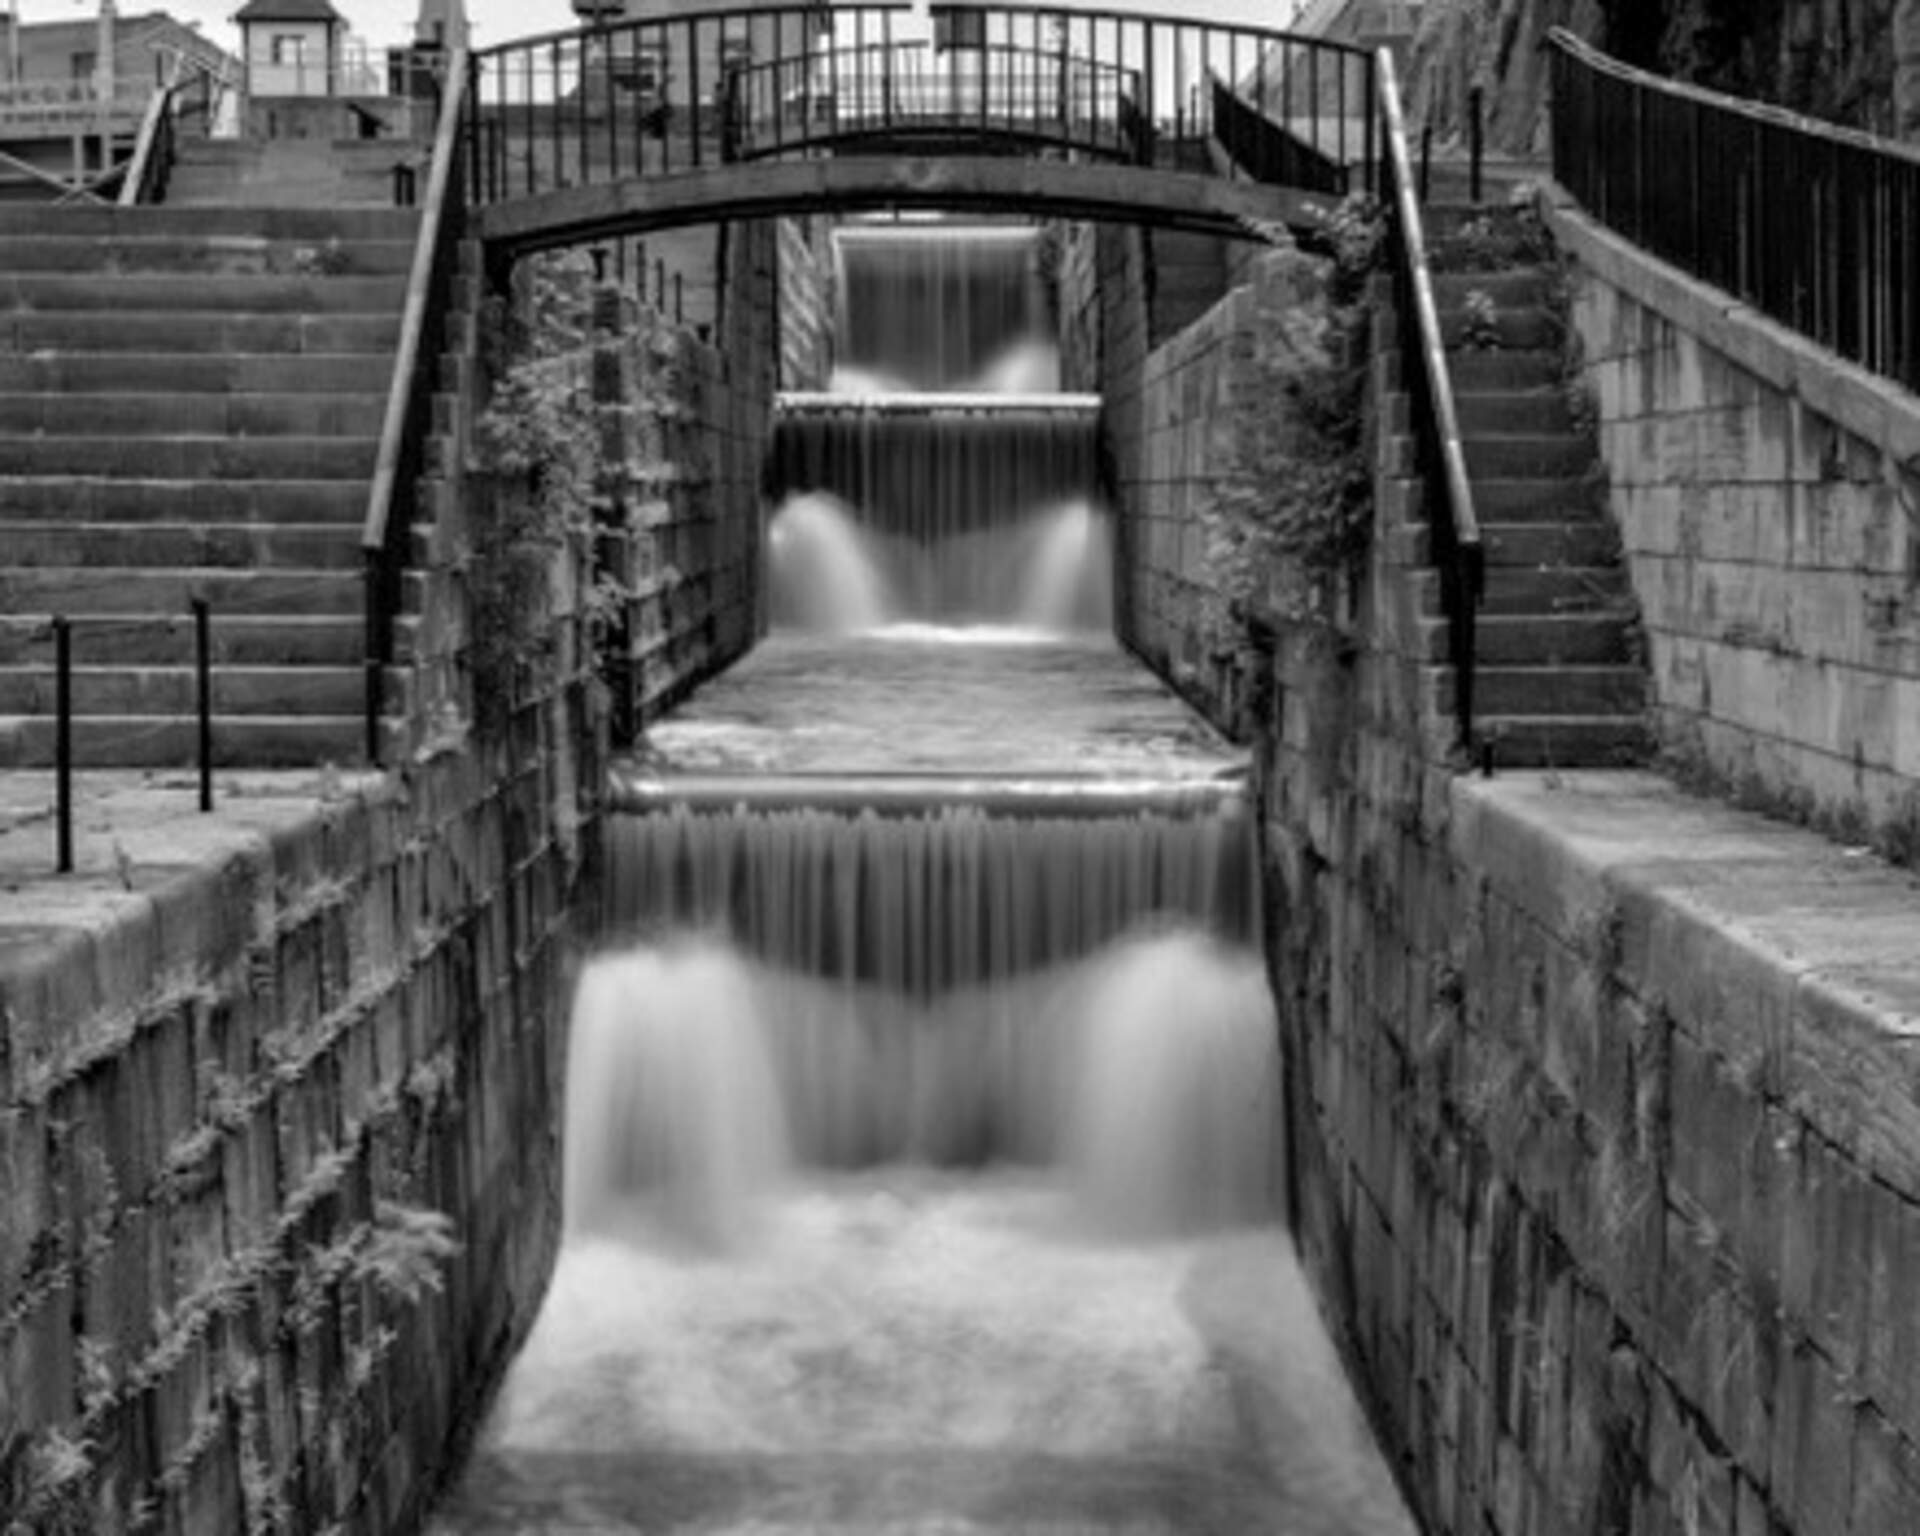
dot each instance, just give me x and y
(203, 690)
(1476, 141)
(63, 743)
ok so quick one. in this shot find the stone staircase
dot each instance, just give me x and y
(1560, 681)
(190, 405)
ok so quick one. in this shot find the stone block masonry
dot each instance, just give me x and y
(1606, 1121)
(1768, 500)
(278, 1109)
(1170, 413)
(688, 422)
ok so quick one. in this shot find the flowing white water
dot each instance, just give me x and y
(1068, 581)
(821, 572)
(1110, 1339)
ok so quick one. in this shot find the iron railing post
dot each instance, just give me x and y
(63, 743)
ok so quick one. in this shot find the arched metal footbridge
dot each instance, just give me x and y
(793, 108)
(740, 112)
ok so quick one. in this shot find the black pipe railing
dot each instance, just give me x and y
(1453, 526)
(1814, 225)
(387, 532)
(156, 145)
(1273, 153)
(898, 91)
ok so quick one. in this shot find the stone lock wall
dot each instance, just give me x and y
(687, 423)
(1604, 1115)
(1770, 512)
(1170, 414)
(279, 1113)
(278, 1135)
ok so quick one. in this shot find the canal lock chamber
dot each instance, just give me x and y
(923, 1139)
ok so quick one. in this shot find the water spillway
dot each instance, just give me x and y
(924, 1151)
(965, 508)
(940, 306)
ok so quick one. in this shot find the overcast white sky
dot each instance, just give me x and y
(385, 22)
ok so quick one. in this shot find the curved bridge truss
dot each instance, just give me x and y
(804, 107)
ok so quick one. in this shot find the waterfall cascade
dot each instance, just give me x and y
(923, 1142)
(966, 486)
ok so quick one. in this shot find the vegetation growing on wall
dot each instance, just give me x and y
(1288, 519)
(548, 460)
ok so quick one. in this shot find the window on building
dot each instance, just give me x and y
(288, 49)
(81, 66)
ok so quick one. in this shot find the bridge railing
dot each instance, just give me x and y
(392, 498)
(1006, 89)
(1814, 225)
(669, 94)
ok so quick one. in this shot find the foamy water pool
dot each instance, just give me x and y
(909, 1350)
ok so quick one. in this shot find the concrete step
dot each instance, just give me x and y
(1566, 741)
(1531, 640)
(150, 741)
(1529, 546)
(1592, 542)
(314, 226)
(213, 255)
(1526, 691)
(198, 332)
(1550, 499)
(1526, 329)
(192, 458)
(282, 373)
(1522, 457)
(120, 292)
(1549, 592)
(101, 640)
(1506, 413)
(92, 499)
(242, 546)
(171, 688)
(203, 414)
(1510, 288)
(108, 590)
(1506, 370)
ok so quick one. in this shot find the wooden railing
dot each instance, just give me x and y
(391, 499)
(1814, 225)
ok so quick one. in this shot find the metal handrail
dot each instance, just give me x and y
(1579, 48)
(1809, 222)
(409, 401)
(147, 169)
(1458, 547)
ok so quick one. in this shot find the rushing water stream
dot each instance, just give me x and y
(923, 1142)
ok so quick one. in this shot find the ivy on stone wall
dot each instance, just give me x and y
(547, 466)
(1288, 518)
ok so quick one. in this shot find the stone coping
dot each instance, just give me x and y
(150, 898)
(1864, 403)
(1794, 959)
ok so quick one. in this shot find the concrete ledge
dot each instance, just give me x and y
(1873, 408)
(159, 892)
(1793, 959)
